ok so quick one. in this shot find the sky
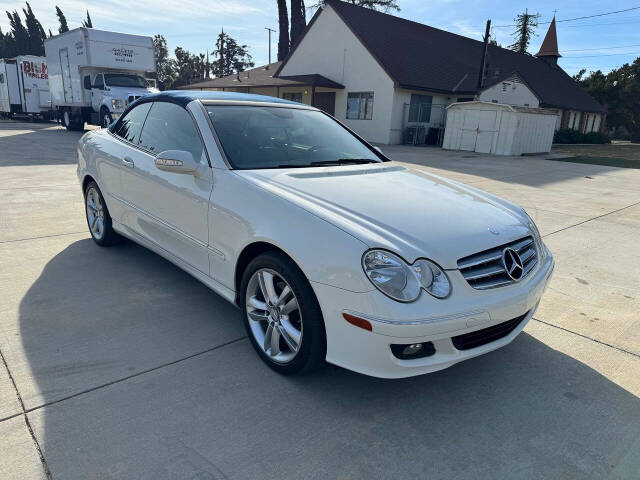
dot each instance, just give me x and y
(603, 42)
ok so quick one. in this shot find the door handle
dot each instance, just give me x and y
(127, 162)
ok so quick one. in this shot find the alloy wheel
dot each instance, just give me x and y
(274, 315)
(95, 213)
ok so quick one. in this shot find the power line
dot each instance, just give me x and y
(604, 55)
(601, 48)
(577, 18)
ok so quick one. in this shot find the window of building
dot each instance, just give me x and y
(293, 96)
(464, 99)
(420, 108)
(1, 77)
(360, 105)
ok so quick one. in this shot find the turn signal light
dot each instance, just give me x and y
(358, 322)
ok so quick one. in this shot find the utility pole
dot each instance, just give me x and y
(483, 61)
(269, 30)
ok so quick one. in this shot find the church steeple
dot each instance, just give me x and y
(549, 49)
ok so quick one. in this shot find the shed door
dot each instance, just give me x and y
(487, 128)
(66, 75)
(470, 124)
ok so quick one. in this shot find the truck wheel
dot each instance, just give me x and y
(105, 117)
(71, 123)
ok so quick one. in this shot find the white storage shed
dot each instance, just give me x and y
(499, 129)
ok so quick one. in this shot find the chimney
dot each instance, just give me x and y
(549, 49)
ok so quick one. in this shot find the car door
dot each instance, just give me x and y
(113, 157)
(170, 209)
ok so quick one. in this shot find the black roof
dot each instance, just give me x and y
(263, 76)
(422, 57)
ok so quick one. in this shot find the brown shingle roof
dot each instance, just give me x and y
(263, 77)
(422, 57)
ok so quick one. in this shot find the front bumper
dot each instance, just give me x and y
(426, 320)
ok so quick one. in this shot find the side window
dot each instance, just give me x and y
(130, 125)
(99, 82)
(170, 127)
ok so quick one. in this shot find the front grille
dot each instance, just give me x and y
(132, 98)
(485, 269)
(486, 335)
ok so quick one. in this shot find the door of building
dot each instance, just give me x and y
(325, 101)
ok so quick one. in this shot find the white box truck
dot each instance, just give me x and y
(95, 74)
(24, 87)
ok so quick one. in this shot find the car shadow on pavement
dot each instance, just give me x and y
(196, 401)
(24, 144)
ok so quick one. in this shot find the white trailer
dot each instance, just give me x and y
(95, 74)
(24, 87)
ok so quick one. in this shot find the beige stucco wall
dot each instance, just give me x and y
(345, 60)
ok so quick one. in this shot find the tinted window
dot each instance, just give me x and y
(131, 124)
(170, 127)
(276, 137)
(99, 83)
(124, 80)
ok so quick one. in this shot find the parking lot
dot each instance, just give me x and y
(118, 365)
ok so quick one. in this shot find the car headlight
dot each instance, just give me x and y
(537, 238)
(117, 104)
(395, 278)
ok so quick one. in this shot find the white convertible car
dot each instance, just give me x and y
(331, 251)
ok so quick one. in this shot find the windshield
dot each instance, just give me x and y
(124, 80)
(276, 137)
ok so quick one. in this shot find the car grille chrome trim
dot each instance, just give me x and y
(484, 270)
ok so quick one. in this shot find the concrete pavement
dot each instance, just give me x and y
(126, 367)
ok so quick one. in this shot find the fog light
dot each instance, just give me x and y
(413, 350)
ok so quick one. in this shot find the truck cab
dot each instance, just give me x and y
(111, 92)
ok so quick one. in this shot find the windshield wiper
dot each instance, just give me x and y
(343, 161)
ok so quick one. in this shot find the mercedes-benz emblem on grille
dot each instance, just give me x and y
(512, 264)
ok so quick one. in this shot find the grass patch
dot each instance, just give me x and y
(606, 161)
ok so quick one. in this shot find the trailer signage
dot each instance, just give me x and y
(35, 69)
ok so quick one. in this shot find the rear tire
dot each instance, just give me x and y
(98, 217)
(71, 122)
(300, 344)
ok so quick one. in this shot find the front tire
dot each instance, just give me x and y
(98, 217)
(282, 315)
(105, 117)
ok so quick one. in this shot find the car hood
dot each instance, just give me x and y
(405, 210)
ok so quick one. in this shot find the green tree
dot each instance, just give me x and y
(87, 23)
(186, 68)
(18, 35)
(35, 32)
(165, 66)
(230, 56)
(63, 21)
(283, 30)
(298, 20)
(526, 24)
(383, 5)
(619, 91)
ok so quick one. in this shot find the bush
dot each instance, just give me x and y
(574, 136)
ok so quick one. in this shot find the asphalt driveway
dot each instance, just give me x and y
(118, 365)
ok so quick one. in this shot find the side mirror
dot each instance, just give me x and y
(87, 82)
(176, 161)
